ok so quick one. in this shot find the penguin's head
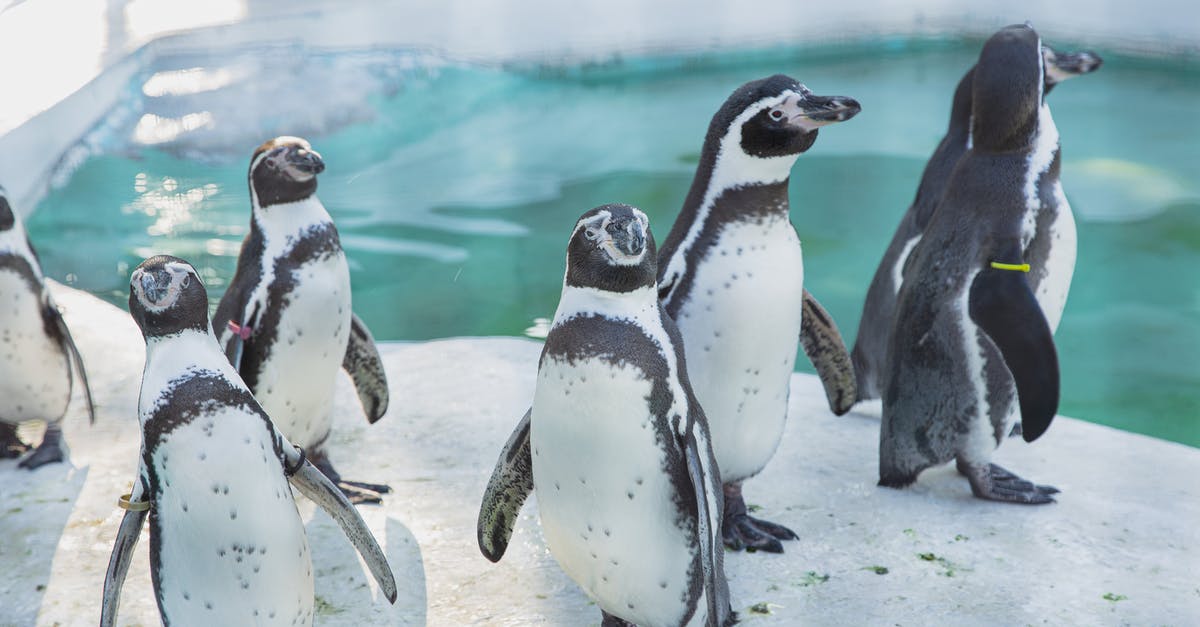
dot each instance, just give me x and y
(611, 249)
(1006, 92)
(7, 218)
(166, 297)
(1060, 66)
(284, 170)
(774, 117)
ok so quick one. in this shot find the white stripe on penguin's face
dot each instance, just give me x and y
(734, 167)
(595, 229)
(155, 298)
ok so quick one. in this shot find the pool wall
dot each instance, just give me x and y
(67, 62)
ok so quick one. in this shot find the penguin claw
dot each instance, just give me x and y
(357, 492)
(994, 483)
(377, 488)
(47, 453)
(742, 532)
(774, 529)
(359, 496)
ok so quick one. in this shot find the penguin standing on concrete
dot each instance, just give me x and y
(227, 546)
(731, 275)
(970, 341)
(36, 350)
(285, 322)
(1054, 223)
(616, 444)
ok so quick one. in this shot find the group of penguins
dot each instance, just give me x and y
(662, 386)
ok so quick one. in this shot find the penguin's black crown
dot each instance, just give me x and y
(284, 170)
(611, 249)
(778, 116)
(166, 297)
(1007, 90)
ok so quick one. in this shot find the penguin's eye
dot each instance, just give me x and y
(187, 279)
(776, 114)
(591, 233)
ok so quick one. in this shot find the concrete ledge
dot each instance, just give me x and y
(1120, 546)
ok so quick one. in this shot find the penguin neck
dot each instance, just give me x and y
(170, 356)
(186, 347)
(639, 304)
(13, 241)
(724, 169)
(289, 218)
(1042, 161)
(727, 166)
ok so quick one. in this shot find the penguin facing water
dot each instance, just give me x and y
(1055, 222)
(971, 343)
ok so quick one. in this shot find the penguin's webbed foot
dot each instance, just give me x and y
(359, 496)
(356, 492)
(994, 483)
(11, 446)
(753, 534)
(740, 530)
(48, 452)
(609, 620)
(377, 488)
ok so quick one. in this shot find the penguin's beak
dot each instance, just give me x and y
(628, 236)
(810, 112)
(305, 160)
(1061, 66)
(155, 284)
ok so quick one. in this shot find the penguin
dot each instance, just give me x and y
(227, 546)
(971, 344)
(285, 322)
(730, 275)
(1055, 222)
(37, 353)
(616, 445)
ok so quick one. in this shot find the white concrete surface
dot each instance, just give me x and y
(1124, 527)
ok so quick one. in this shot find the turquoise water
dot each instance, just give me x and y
(454, 188)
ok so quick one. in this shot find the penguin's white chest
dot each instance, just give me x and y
(35, 378)
(1052, 289)
(740, 328)
(1059, 265)
(607, 505)
(979, 440)
(232, 548)
(898, 267)
(296, 383)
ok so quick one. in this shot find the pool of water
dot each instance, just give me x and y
(454, 187)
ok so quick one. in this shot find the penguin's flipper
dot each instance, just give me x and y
(510, 485)
(1002, 304)
(122, 555)
(317, 487)
(53, 320)
(706, 484)
(824, 346)
(365, 367)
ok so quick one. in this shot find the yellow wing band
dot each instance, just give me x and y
(1019, 267)
(133, 506)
